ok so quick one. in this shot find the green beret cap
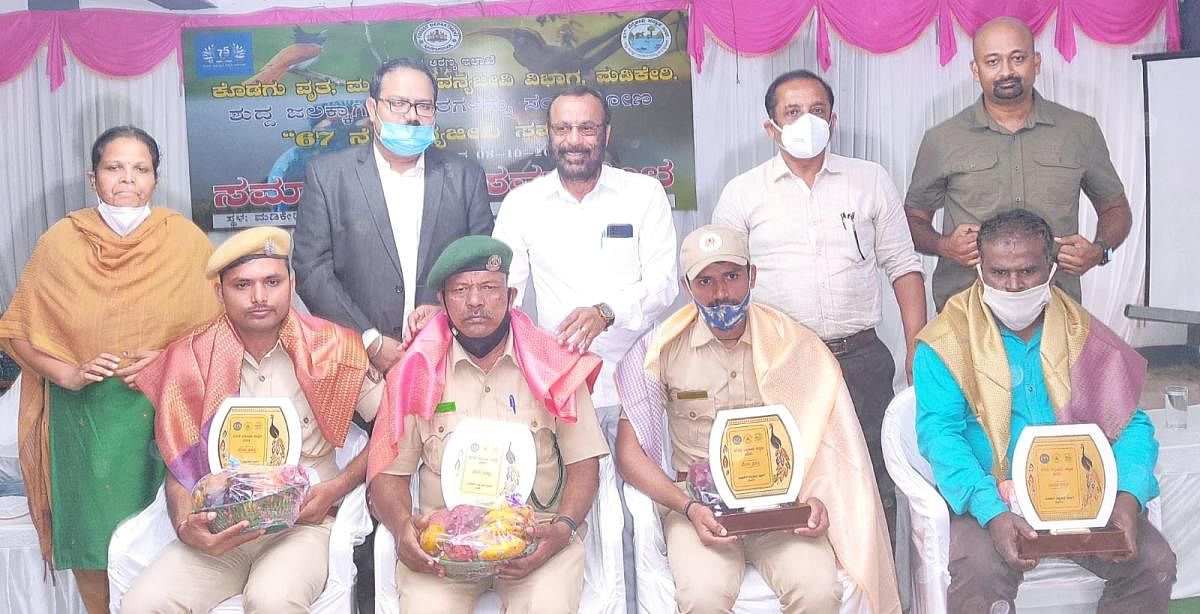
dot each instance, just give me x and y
(470, 253)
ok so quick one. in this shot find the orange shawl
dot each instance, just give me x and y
(86, 290)
(188, 382)
(415, 384)
(795, 369)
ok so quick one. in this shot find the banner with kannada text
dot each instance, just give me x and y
(261, 102)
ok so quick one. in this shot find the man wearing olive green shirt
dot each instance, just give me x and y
(1013, 149)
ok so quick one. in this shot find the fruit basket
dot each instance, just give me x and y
(473, 542)
(267, 497)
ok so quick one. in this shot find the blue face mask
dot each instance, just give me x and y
(404, 139)
(724, 317)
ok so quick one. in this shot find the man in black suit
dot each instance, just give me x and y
(373, 218)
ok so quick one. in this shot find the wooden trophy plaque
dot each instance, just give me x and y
(1066, 485)
(255, 431)
(757, 468)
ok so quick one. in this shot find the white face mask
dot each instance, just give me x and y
(122, 220)
(804, 138)
(1017, 310)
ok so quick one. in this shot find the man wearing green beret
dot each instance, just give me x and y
(259, 347)
(483, 359)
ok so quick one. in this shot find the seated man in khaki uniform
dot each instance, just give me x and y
(721, 352)
(260, 347)
(482, 358)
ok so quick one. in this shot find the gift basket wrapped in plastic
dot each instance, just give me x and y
(267, 497)
(473, 542)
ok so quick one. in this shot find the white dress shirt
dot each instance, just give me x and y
(802, 240)
(564, 246)
(405, 197)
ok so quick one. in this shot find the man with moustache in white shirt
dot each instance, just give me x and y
(597, 242)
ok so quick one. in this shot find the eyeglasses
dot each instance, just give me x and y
(400, 106)
(587, 129)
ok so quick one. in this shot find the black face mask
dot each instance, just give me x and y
(480, 346)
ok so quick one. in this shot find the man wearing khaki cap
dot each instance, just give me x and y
(721, 352)
(259, 347)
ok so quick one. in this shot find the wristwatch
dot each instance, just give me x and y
(1105, 252)
(567, 520)
(606, 312)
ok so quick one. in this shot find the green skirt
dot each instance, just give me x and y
(104, 468)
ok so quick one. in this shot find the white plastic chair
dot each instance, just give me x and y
(139, 540)
(1056, 585)
(656, 587)
(603, 574)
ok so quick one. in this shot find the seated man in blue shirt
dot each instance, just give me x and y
(1009, 351)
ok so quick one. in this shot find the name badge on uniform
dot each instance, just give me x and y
(691, 395)
(444, 408)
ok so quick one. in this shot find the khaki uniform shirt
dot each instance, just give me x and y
(476, 394)
(275, 376)
(702, 377)
(974, 168)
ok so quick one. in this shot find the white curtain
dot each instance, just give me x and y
(884, 105)
(47, 147)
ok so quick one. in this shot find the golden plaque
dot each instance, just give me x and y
(757, 469)
(1066, 485)
(261, 431)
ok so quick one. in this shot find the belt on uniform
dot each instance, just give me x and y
(845, 345)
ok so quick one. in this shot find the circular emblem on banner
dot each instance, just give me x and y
(646, 38)
(437, 36)
(710, 242)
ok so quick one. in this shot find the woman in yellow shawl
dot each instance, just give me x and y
(105, 289)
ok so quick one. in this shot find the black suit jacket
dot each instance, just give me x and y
(347, 268)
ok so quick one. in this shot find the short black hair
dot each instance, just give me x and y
(583, 90)
(124, 132)
(787, 77)
(1016, 223)
(247, 258)
(396, 64)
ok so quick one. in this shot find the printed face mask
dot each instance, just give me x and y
(804, 138)
(724, 317)
(1017, 310)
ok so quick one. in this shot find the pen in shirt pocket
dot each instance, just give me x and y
(849, 215)
(512, 404)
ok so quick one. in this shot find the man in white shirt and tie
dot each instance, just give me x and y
(598, 243)
(820, 226)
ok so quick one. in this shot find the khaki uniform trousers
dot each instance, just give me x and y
(802, 571)
(278, 573)
(553, 588)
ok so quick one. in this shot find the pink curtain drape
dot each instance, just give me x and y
(126, 43)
